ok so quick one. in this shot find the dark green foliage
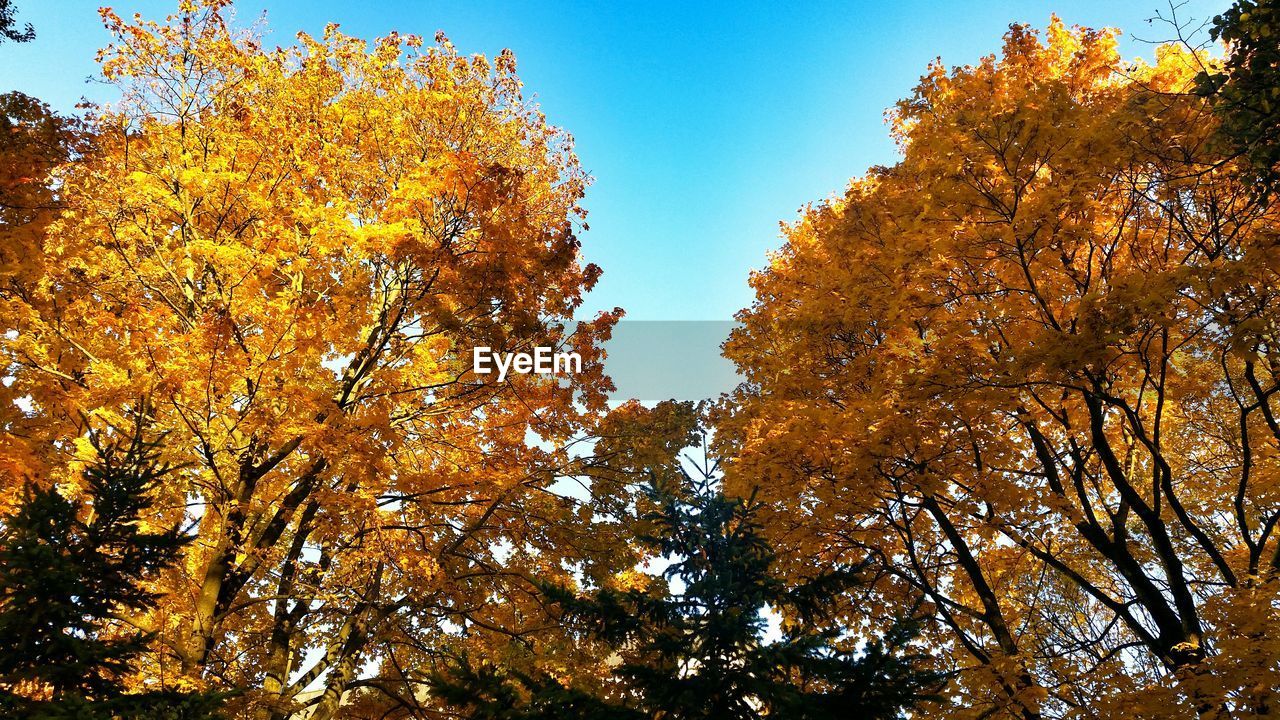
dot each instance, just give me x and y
(1246, 93)
(67, 575)
(487, 693)
(8, 25)
(700, 653)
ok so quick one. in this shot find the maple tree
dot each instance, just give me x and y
(1030, 371)
(33, 142)
(291, 251)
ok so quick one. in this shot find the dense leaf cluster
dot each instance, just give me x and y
(1246, 90)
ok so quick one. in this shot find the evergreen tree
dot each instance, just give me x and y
(68, 577)
(701, 653)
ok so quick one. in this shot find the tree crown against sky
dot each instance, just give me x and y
(1031, 369)
(291, 251)
(697, 161)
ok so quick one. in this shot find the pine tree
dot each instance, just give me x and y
(701, 653)
(68, 575)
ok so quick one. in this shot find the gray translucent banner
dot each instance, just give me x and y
(653, 360)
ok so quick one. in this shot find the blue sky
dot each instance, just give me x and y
(704, 124)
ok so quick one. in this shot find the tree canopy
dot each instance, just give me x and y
(1009, 417)
(292, 251)
(1031, 369)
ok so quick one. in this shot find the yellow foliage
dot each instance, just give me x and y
(289, 253)
(1030, 370)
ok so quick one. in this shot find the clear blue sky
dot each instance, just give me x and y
(704, 124)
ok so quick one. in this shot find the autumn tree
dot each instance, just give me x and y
(34, 141)
(292, 251)
(1031, 369)
(71, 576)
